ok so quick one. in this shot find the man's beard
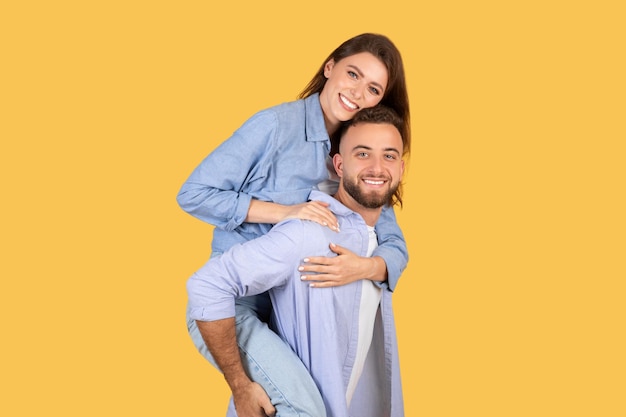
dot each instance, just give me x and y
(368, 200)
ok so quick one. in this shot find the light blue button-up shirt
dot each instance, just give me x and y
(277, 155)
(320, 324)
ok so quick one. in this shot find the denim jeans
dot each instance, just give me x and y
(270, 362)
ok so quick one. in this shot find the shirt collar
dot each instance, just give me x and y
(335, 206)
(314, 124)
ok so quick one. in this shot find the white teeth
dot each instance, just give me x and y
(374, 182)
(348, 103)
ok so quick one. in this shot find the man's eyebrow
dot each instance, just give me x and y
(369, 148)
(392, 150)
(357, 147)
(358, 70)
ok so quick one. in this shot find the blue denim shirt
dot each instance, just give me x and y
(320, 324)
(277, 155)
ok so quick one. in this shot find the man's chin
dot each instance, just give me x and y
(373, 202)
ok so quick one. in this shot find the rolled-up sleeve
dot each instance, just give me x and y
(245, 269)
(392, 246)
(215, 192)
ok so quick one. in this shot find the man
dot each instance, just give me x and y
(345, 336)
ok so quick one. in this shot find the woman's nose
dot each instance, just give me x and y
(357, 91)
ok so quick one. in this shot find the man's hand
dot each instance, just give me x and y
(249, 397)
(251, 400)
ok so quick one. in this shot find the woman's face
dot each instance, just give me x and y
(354, 83)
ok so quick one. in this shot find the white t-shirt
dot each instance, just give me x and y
(370, 300)
(331, 184)
(370, 293)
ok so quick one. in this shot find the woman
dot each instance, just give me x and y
(263, 174)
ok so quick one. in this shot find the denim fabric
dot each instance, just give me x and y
(270, 362)
(319, 324)
(277, 155)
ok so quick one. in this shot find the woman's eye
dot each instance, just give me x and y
(374, 91)
(352, 74)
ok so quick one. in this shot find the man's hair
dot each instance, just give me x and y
(379, 114)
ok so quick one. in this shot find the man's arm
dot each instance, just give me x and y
(247, 269)
(249, 397)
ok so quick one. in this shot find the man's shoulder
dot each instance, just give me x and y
(335, 206)
(304, 233)
(299, 226)
(307, 233)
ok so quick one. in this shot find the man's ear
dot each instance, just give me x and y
(328, 67)
(338, 164)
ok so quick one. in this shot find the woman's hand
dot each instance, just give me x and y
(268, 212)
(342, 269)
(315, 211)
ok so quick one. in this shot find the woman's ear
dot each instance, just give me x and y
(328, 67)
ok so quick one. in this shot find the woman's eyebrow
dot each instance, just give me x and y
(358, 71)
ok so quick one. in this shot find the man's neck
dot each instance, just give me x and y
(370, 216)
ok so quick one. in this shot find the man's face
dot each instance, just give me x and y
(370, 163)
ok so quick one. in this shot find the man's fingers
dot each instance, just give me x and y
(269, 409)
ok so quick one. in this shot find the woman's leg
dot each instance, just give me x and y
(271, 363)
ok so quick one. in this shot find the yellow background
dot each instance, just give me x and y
(513, 303)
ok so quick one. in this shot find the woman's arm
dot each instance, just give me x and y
(342, 269)
(386, 263)
(391, 246)
(212, 191)
(267, 212)
(215, 192)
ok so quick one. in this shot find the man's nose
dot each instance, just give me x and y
(376, 165)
